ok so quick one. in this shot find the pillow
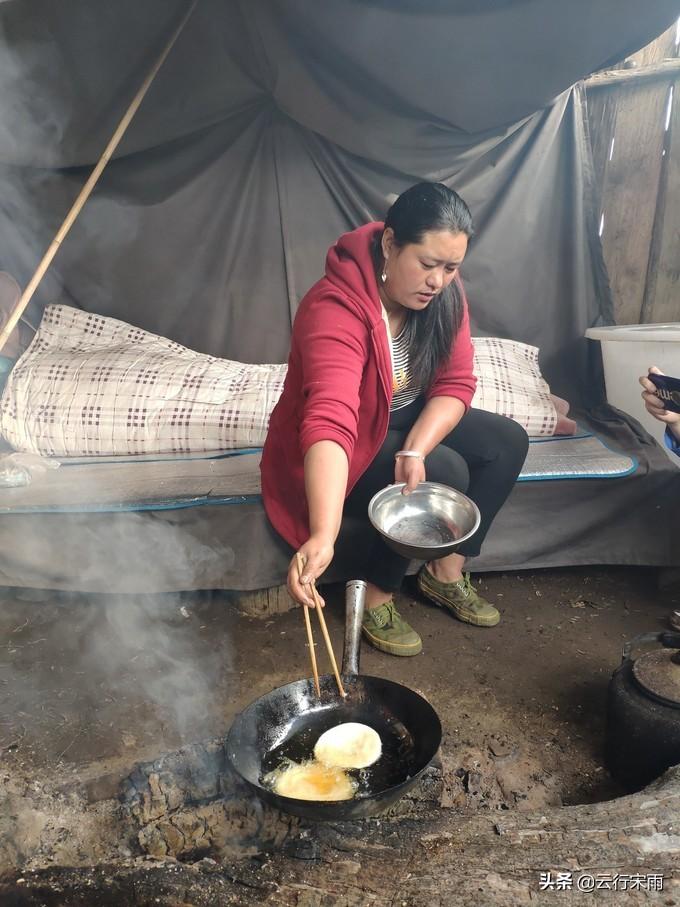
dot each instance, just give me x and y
(509, 382)
(94, 386)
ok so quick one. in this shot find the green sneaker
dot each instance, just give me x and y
(386, 630)
(460, 598)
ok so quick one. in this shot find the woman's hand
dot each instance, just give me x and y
(654, 405)
(410, 470)
(317, 553)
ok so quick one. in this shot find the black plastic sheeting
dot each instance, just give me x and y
(274, 126)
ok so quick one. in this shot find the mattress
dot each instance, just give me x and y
(161, 524)
(166, 482)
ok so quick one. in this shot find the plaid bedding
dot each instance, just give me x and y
(509, 382)
(94, 386)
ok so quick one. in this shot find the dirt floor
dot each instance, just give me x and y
(92, 685)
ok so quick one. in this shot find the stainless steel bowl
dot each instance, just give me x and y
(427, 524)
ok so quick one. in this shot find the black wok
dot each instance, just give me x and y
(288, 721)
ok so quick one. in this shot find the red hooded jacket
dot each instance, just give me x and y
(339, 381)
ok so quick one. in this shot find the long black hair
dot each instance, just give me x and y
(430, 332)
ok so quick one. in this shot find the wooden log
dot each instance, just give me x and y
(491, 859)
(665, 71)
(264, 602)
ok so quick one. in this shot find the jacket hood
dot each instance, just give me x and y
(349, 267)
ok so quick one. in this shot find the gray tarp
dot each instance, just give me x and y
(274, 126)
(277, 124)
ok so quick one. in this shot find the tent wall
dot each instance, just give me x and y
(274, 126)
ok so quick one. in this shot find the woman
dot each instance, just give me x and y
(378, 390)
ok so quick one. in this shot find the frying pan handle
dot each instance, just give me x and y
(355, 599)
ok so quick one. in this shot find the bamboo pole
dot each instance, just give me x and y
(84, 194)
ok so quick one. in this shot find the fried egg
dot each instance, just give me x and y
(349, 745)
(311, 781)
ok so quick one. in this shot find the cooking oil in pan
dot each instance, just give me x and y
(395, 765)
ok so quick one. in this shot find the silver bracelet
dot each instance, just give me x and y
(409, 453)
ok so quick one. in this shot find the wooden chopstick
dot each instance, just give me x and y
(308, 625)
(324, 630)
(329, 645)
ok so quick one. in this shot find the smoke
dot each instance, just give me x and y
(145, 647)
(148, 644)
(75, 654)
(34, 120)
(53, 128)
(130, 639)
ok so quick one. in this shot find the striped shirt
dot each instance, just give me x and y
(403, 392)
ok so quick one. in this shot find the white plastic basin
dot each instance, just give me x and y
(628, 351)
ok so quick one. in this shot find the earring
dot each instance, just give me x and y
(383, 276)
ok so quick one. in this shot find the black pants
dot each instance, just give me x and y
(481, 457)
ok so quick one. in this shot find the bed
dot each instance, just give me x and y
(157, 487)
(166, 524)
